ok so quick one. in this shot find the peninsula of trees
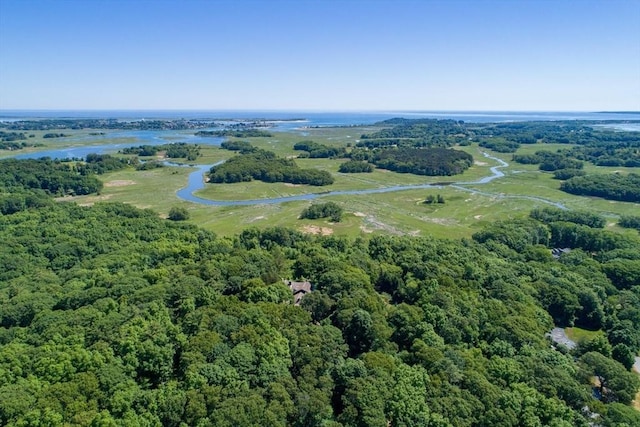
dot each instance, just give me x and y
(265, 166)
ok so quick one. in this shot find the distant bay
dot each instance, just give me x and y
(315, 118)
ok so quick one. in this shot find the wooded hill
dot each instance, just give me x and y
(423, 161)
(266, 166)
(110, 315)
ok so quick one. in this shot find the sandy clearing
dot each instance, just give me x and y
(477, 216)
(360, 214)
(441, 221)
(119, 183)
(480, 163)
(314, 229)
(90, 201)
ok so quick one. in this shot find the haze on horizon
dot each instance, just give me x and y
(334, 55)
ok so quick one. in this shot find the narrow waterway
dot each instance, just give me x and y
(196, 182)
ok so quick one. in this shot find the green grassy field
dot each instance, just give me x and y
(401, 212)
(580, 335)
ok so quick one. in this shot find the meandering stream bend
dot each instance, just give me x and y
(196, 182)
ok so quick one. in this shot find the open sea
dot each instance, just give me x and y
(316, 118)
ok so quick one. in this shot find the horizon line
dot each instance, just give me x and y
(316, 110)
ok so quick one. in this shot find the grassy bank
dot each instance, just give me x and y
(523, 188)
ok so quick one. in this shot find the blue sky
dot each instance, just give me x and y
(334, 55)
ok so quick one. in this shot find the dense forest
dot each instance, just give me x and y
(630, 221)
(237, 146)
(315, 150)
(330, 210)
(599, 145)
(416, 133)
(627, 155)
(266, 166)
(175, 150)
(423, 161)
(112, 316)
(615, 186)
(555, 132)
(355, 166)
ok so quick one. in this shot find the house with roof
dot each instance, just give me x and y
(299, 289)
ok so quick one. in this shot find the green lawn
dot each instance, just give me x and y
(579, 335)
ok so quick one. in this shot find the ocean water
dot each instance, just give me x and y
(315, 118)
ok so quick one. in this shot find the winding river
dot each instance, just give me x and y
(196, 182)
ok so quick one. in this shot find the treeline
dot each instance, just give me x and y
(54, 177)
(615, 186)
(78, 124)
(54, 135)
(417, 133)
(500, 145)
(630, 221)
(315, 150)
(14, 145)
(28, 183)
(548, 161)
(355, 166)
(176, 150)
(555, 132)
(267, 167)
(323, 210)
(614, 154)
(110, 315)
(601, 154)
(12, 136)
(548, 215)
(601, 146)
(237, 146)
(423, 161)
(237, 133)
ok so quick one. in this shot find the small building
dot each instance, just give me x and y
(299, 289)
(557, 252)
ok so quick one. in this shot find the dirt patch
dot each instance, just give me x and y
(441, 221)
(288, 184)
(372, 224)
(119, 183)
(314, 229)
(477, 216)
(360, 214)
(480, 163)
(90, 201)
